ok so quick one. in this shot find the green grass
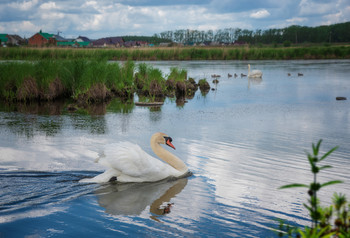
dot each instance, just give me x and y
(269, 52)
(50, 79)
(82, 80)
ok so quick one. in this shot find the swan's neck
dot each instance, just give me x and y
(248, 69)
(168, 157)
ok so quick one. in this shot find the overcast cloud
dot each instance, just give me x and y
(103, 18)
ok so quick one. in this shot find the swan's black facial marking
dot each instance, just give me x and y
(167, 138)
(168, 141)
(113, 179)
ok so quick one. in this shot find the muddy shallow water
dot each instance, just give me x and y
(241, 141)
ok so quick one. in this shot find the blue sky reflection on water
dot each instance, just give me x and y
(241, 141)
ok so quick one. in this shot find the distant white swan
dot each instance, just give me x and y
(254, 73)
(127, 162)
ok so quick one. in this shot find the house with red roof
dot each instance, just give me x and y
(42, 39)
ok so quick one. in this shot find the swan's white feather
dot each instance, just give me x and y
(254, 73)
(129, 163)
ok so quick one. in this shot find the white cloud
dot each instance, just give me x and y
(296, 20)
(260, 14)
(21, 28)
(308, 7)
(52, 16)
(105, 18)
(23, 6)
(48, 6)
(341, 16)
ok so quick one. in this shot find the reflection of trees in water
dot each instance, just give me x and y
(134, 198)
(155, 114)
(93, 124)
(121, 106)
(30, 119)
(30, 125)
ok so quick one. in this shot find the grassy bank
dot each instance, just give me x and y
(180, 53)
(88, 81)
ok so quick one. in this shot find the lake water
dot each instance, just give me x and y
(241, 141)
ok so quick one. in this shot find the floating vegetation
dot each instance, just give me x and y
(203, 85)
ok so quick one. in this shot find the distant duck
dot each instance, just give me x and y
(254, 73)
(300, 74)
(243, 75)
(215, 76)
(229, 75)
(289, 74)
(235, 75)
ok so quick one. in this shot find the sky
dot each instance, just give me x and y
(102, 18)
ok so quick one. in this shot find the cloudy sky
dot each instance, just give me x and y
(101, 18)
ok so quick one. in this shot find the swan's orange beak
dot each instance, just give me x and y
(168, 142)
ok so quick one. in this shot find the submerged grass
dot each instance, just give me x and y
(179, 53)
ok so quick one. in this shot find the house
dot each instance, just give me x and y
(15, 40)
(82, 41)
(42, 39)
(135, 44)
(240, 43)
(3, 39)
(109, 42)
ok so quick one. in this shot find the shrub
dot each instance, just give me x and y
(321, 216)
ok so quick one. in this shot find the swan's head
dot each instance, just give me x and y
(162, 138)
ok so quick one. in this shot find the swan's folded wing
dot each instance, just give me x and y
(129, 159)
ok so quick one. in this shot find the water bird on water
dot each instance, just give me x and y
(127, 162)
(254, 73)
(300, 74)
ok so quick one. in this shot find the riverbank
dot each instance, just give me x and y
(180, 53)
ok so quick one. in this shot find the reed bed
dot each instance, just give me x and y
(51, 79)
(87, 80)
(179, 53)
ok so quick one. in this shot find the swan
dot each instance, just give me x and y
(254, 73)
(127, 162)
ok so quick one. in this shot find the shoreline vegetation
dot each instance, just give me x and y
(96, 75)
(92, 81)
(290, 52)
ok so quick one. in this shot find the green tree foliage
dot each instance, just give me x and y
(149, 39)
(296, 34)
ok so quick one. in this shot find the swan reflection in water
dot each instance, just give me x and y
(253, 81)
(134, 198)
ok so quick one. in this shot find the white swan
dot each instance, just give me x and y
(127, 162)
(254, 73)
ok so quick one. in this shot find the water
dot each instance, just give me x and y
(241, 141)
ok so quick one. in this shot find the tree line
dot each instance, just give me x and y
(150, 39)
(335, 33)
